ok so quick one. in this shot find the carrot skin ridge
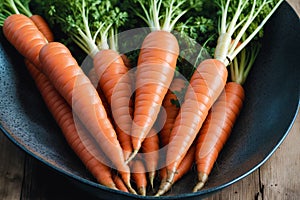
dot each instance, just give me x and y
(95, 81)
(166, 121)
(119, 183)
(184, 167)
(155, 71)
(206, 85)
(116, 84)
(218, 126)
(139, 176)
(70, 81)
(150, 148)
(167, 117)
(43, 27)
(23, 34)
(74, 134)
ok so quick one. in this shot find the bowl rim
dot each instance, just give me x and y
(204, 192)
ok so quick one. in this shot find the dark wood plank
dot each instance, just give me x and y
(279, 176)
(11, 169)
(247, 188)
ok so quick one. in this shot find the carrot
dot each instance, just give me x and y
(222, 116)
(43, 26)
(61, 68)
(183, 168)
(22, 7)
(139, 176)
(94, 80)
(156, 65)
(171, 106)
(256, 15)
(205, 86)
(23, 34)
(216, 129)
(170, 109)
(100, 42)
(116, 84)
(150, 149)
(154, 75)
(74, 134)
(209, 78)
(119, 183)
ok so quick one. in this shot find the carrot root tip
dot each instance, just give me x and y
(142, 191)
(151, 178)
(130, 189)
(164, 187)
(134, 153)
(202, 178)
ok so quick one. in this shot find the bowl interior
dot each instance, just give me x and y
(272, 99)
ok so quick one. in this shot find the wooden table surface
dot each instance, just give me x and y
(22, 177)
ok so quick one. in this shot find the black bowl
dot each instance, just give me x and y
(272, 101)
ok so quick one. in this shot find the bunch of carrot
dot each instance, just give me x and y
(128, 124)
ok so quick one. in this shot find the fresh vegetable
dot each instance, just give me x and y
(42, 25)
(206, 84)
(208, 103)
(223, 114)
(156, 63)
(93, 26)
(150, 154)
(58, 64)
(23, 34)
(170, 108)
(184, 167)
(210, 77)
(139, 175)
(9, 7)
(94, 80)
(119, 183)
(74, 134)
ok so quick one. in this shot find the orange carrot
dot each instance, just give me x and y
(119, 183)
(155, 71)
(170, 110)
(23, 34)
(43, 26)
(150, 149)
(156, 64)
(183, 168)
(210, 77)
(206, 85)
(99, 41)
(168, 113)
(61, 68)
(95, 81)
(217, 129)
(74, 134)
(116, 84)
(222, 116)
(139, 176)
(11, 7)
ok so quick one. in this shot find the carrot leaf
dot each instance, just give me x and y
(241, 20)
(7, 8)
(23, 6)
(159, 14)
(88, 22)
(243, 62)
